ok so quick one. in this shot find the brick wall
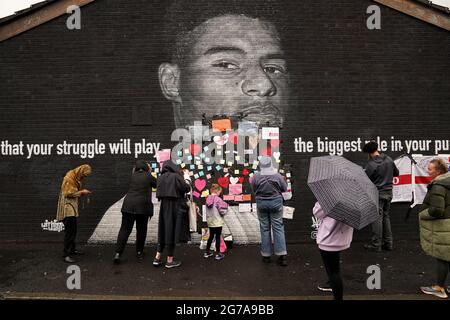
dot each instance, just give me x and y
(82, 85)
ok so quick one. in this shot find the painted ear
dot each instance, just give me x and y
(169, 76)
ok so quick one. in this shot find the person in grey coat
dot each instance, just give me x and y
(137, 206)
(268, 187)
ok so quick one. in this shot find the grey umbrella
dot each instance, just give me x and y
(343, 190)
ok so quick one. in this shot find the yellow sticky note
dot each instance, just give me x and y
(205, 193)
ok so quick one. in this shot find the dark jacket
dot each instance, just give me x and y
(139, 196)
(381, 170)
(434, 218)
(171, 183)
(173, 225)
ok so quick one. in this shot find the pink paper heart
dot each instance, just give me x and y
(200, 184)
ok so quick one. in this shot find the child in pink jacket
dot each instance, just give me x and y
(216, 208)
(333, 237)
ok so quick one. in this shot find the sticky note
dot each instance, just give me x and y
(237, 198)
(235, 189)
(200, 167)
(178, 161)
(192, 167)
(247, 197)
(196, 176)
(186, 151)
(205, 193)
(201, 173)
(183, 165)
(209, 168)
(218, 152)
(218, 168)
(207, 160)
(208, 176)
(237, 158)
(221, 125)
(228, 197)
(225, 169)
(153, 165)
(196, 194)
(189, 158)
(245, 207)
(230, 163)
(288, 175)
(206, 148)
(222, 161)
(236, 172)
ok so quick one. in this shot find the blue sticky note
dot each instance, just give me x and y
(202, 155)
(201, 173)
(189, 158)
(153, 165)
(218, 168)
(180, 153)
(206, 148)
(192, 166)
(209, 168)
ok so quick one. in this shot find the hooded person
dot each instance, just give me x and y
(137, 206)
(67, 210)
(434, 220)
(268, 187)
(171, 191)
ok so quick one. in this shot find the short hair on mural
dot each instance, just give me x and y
(183, 16)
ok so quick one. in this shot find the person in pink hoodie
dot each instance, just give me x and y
(216, 208)
(333, 237)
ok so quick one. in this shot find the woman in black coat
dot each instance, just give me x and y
(171, 191)
(137, 206)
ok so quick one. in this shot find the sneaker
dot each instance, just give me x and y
(325, 287)
(116, 259)
(371, 247)
(173, 264)
(207, 254)
(69, 260)
(219, 256)
(434, 291)
(448, 290)
(157, 262)
(282, 261)
(266, 259)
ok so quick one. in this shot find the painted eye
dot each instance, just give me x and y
(274, 70)
(225, 65)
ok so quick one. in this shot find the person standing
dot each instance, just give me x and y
(434, 221)
(216, 208)
(381, 170)
(268, 187)
(67, 210)
(137, 206)
(171, 191)
(333, 237)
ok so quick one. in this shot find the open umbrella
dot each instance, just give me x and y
(343, 190)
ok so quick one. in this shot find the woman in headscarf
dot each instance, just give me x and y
(67, 211)
(171, 191)
(434, 222)
(137, 206)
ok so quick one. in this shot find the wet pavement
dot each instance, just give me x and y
(37, 271)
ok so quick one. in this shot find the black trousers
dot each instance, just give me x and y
(70, 234)
(331, 260)
(214, 232)
(442, 270)
(126, 227)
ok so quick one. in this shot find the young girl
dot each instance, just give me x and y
(216, 208)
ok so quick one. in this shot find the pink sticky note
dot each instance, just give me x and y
(163, 155)
(235, 189)
(228, 197)
(196, 194)
(238, 198)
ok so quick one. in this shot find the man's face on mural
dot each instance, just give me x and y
(235, 67)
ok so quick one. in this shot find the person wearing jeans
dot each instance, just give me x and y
(268, 186)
